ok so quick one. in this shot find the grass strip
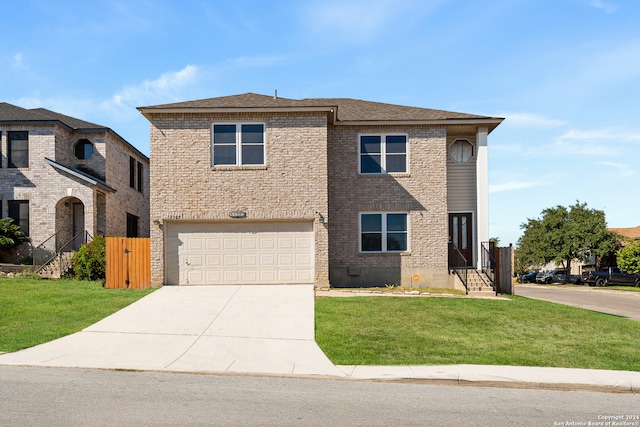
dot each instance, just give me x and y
(436, 331)
(36, 311)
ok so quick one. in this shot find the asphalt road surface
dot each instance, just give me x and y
(619, 303)
(32, 396)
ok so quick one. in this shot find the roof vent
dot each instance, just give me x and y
(275, 94)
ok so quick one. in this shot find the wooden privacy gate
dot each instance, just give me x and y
(128, 263)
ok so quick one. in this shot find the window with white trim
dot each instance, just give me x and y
(238, 144)
(381, 154)
(384, 232)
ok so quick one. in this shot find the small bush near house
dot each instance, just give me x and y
(10, 235)
(90, 262)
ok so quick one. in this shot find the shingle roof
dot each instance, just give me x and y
(630, 233)
(347, 109)
(10, 113)
(13, 113)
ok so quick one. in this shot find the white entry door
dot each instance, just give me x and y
(239, 253)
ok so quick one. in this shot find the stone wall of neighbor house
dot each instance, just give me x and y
(421, 192)
(186, 187)
(51, 192)
(126, 199)
(40, 183)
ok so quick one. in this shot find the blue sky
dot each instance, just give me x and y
(564, 73)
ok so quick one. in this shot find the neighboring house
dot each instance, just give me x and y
(60, 176)
(254, 189)
(629, 234)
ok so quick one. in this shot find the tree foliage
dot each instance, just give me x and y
(629, 258)
(564, 235)
(10, 235)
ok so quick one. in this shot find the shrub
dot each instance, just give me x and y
(629, 258)
(10, 235)
(90, 261)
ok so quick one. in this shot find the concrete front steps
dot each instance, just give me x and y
(479, 284)
(57, 266)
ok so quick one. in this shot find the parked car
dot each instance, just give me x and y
(527, 278)
(610, 276)
(562, 278)
(552, 276)
(557, 276)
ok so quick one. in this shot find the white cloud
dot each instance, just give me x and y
(601, 135)
(531, 120)
(515, 185)
(17, 61)
(624, 170)
(608, 7)
(165, 88)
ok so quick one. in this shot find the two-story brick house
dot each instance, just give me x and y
(60, 176)
(254, 189)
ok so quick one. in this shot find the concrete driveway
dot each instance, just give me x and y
(240, 329)
(619, 303)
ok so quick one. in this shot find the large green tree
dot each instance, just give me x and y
(629, 258)
(564, 235)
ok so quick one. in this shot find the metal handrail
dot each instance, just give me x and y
(458, 264)
(489, 263)
(86, 237)
(44, 250)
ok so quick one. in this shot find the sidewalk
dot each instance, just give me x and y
(504, 376)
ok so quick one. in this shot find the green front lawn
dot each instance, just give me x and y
(368, 330)
(37, 311)
(437, 331)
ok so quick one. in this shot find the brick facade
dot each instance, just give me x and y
(312, 173)
(52, 191)
(422, 192)
(185, 187)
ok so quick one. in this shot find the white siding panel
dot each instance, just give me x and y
(461, 186)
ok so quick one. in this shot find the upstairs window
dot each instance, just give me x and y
(136, 172)
(238, 144)
(83, 149)
(140, 173)
(380, 154)
(18, 149)
(132, 172)
(383, 232)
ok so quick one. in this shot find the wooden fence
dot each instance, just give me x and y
(504, 269)
(128, 263)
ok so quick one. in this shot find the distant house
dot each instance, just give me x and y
(254, 189)
(630, 233)
(61, 176)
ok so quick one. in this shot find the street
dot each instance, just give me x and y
(619, 303)
(68, 397)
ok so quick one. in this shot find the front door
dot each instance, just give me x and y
(460, 233)
(78, 225)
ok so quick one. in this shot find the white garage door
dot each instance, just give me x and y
(239, 253)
